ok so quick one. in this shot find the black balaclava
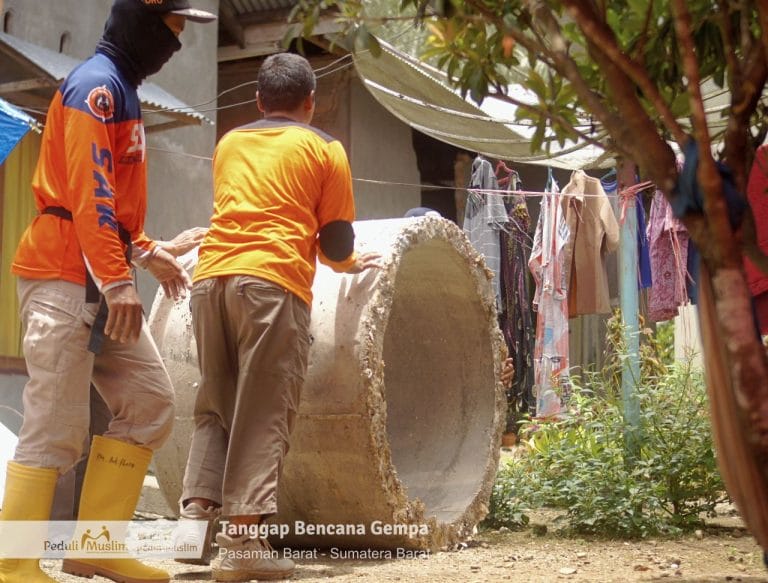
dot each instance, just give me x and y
(137, 40)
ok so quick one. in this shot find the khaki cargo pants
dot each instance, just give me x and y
(252, 344)
(131, 378)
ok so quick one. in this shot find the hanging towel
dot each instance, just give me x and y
(485, 217)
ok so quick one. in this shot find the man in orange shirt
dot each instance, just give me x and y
(82, 315)
(282, 198)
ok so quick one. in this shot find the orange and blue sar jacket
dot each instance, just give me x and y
(92, 163)
(277, 184)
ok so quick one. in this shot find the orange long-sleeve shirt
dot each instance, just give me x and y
(276, 184)
(92, 163)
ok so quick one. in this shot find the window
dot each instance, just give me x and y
(7, 17)
(64, 42)
(17, 207)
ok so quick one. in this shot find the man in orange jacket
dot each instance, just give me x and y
(82, 315)
(282, 199)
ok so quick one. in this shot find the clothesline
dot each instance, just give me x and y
(501, 192)
(530, 193)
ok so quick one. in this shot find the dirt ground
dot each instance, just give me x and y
(723, 551)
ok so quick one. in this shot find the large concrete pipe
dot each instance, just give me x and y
(397, 439)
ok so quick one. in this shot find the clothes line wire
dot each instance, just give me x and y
(504, 193)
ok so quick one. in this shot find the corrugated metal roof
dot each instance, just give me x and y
(57, 66)
(245, 7)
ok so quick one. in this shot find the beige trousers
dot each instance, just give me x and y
(131, 378)
(252, 344)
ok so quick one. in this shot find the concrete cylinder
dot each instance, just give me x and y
(397, 439)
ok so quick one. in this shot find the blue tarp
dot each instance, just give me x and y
(14, 124)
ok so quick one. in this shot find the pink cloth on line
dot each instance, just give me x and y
(668, 242)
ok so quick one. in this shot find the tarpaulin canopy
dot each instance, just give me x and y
(420, 96)
(14, 125)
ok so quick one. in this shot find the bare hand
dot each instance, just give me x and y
(507, 373)
(125, 314)
(172, 276)
(184, 241)
(365, 261)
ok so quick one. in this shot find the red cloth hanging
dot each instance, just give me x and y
(757, 194)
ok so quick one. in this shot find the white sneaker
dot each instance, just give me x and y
(188, 532)
(245, 559)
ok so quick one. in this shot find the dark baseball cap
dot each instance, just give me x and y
(181, 7)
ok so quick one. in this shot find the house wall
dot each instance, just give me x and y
(179, 182)
(382, 150)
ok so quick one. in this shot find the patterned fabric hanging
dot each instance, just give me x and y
(552, 384)
(516, 321)
(484, 217)
(668, 241)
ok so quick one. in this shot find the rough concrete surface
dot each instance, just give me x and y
(402, 409)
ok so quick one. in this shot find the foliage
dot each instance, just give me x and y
(656, 352)
(579, 464)
(624, 67)
(635, 77)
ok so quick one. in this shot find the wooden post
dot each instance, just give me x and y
(628, 294)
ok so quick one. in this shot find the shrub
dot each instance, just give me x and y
(580, 463)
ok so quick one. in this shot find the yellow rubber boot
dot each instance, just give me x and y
(111, 489)
(28, 496)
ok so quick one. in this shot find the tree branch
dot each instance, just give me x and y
(762, 15)
(723, 253)
(603, 38)
(744, 100)
(633, 127)
(726, 33)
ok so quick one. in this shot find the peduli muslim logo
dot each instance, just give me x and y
(102, 543)
(151, 539)
(88, 543)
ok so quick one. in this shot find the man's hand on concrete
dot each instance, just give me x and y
(172, 276)
(184, 241)
(125, 313)
(365, 261)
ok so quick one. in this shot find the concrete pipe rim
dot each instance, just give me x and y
(408, 507)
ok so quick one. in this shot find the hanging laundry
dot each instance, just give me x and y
(14, 125)
(485, 217)
(552, 383)
(757, 194)
(644, 275)
(610, 184)
(593, 233)
(516, 319)
(644, 272)
(668, 243)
